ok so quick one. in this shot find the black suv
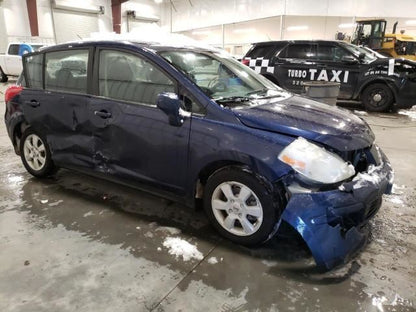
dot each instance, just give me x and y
(378, 82)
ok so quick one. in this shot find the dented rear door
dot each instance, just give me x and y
(56, 106)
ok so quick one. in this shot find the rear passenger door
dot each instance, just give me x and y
(55, 103)
(133, 140)
(296, 64)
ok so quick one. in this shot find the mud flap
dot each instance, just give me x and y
(329, 245)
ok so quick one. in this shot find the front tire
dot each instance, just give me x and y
(377, 97)
(240, 206)
(35, 154)
(3, 76)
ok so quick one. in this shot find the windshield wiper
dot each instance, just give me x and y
(232, 99)
(257, 91)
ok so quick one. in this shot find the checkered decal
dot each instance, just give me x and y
(260, 65)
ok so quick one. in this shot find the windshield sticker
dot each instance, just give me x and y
(320, 75)
(259, 64)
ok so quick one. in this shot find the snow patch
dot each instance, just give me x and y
(212, 260)
(180, 247)
(394, 200)
(411, 113)
(44, 201)
(168, 229)
(89, 213)
(362, 113)
(378, 302)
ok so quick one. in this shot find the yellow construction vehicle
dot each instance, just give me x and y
(371, 33)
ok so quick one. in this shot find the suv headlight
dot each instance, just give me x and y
(315, 162)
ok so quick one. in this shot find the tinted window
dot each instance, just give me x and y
(127, 77)
(14, 49)
(265, 51)
(335, 53)
(299, 51)
(33, 71)
(66, 71)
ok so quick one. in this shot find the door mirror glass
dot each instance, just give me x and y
(170, 104)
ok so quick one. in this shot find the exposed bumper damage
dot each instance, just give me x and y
(330, 221)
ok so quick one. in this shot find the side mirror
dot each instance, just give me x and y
(170, 104)
(349, 59)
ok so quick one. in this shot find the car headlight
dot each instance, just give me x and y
(315, 162)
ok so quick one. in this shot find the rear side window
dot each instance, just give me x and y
(264, 51)
(33, 71)
(128, 77)
(66, 71)
(14, 49)
(299, 51)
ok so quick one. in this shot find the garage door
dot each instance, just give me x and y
(70, 26)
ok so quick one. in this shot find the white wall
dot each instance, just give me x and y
(321, 19)
(215, 12)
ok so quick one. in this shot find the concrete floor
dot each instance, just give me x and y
(76, 243)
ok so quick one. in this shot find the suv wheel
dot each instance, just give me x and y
(377, 97)
(3, 76)
(35, 154)
(240, 206)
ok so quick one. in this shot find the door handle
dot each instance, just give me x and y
(103, 114)
(33, 103)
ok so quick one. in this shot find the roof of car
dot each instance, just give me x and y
(297, 41)
(156, 46)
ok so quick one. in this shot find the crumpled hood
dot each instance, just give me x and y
(298, 116)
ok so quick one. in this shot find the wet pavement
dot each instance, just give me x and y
(76, 243)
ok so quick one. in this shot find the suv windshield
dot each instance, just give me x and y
(221, 77)
(365, 55)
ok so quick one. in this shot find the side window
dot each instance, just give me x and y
(333, 53)
(128, 77)
(265, 51)
(14, 49)
(66, 71)
(326, 52)
(299, 51)
(33, 71)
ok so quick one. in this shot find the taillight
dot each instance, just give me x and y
(245, 61)
(11, 92)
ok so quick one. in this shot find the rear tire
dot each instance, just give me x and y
(35, 154)
(240, 206)
(377, 97)
(3, 76)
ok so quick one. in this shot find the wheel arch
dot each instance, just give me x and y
(389, 83)
(261, 170)
(17, 132)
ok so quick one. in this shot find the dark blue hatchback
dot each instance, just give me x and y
(190, 123)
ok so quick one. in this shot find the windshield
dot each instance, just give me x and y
(359, 52)
(221, 77)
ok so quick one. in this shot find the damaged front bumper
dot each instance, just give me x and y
(330, 221)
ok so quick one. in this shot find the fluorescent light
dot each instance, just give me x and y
(347, 25)
(411, 22)
(295, 28)
(244, 30)
(201, 32)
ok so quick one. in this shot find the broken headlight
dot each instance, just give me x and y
(315, 162)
